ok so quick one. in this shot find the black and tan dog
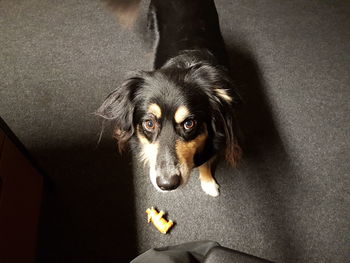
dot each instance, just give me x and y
(180, 115)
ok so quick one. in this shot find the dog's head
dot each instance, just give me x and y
(179, 118)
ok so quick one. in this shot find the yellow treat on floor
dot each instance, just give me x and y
(158, 221)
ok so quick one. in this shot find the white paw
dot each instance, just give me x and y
(211, 188)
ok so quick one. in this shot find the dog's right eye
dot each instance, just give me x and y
(189, 124)
(149, 125)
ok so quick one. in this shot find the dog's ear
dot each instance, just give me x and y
(223, 100)
(119, 107)
(225, 127)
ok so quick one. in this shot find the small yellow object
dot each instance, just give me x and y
(158, 221)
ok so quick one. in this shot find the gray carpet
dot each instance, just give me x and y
(288, 200)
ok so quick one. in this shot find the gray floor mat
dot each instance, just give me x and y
(288, 201)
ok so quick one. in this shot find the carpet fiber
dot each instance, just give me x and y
(287, 201)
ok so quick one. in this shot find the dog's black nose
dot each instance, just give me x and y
(168, 183)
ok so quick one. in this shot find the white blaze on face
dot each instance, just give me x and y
(149, 151)
(148, 155)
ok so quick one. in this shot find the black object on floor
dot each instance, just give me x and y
(196, 252)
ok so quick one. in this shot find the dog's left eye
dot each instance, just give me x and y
(189, 124)
(149, 125)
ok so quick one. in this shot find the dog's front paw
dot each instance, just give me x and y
(211, 188)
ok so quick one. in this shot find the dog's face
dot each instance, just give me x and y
(177, 118)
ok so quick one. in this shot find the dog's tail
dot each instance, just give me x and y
(126, 11)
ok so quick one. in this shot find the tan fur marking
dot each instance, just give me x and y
(223, 94)
(155, 110)
(208, 183)
(186, 150)
(181, 114)
(205, 173)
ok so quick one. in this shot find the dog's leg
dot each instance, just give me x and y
(208, 183)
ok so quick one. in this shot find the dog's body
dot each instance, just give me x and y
(180, 115)
(185, 25)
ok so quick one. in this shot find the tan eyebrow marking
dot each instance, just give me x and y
(155, 110)
(181, 114)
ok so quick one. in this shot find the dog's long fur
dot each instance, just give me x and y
(181, 115)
